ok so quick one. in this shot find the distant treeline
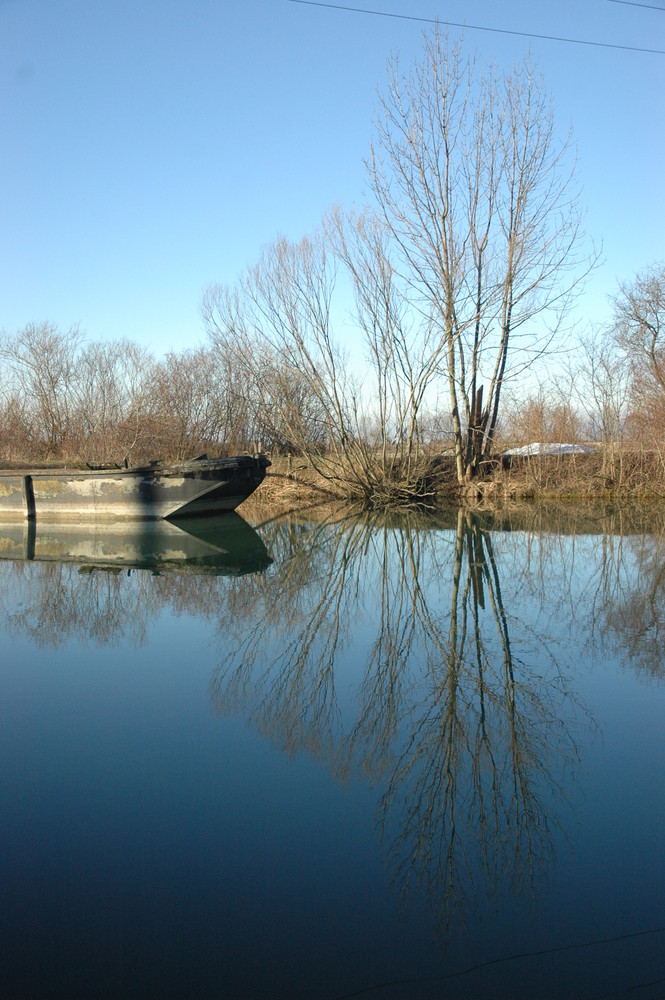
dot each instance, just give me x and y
(64, 399)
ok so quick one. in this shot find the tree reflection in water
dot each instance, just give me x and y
(60, 603)
(488, 747)
(470, 743)
(418, 654)
(106, 583)
(632, 613)
(638, 621)
(603, 570)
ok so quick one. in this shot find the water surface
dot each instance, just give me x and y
(334, 756)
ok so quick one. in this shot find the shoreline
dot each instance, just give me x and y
(543, 480)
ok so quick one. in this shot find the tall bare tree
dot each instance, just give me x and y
(275, 330)
(473, 233)
(479, 200)
(403, 356)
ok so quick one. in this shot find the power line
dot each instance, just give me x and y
(479, 27)
(593, 943)
(633, 3)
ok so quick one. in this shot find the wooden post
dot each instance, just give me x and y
(29, 538)
(29, 498)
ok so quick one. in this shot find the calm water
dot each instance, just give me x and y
(324, 759)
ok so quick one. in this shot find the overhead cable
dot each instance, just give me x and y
(633, 3)
(479, 27)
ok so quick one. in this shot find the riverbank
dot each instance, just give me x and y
(577, 478)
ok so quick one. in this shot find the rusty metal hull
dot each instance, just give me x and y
(190, 489)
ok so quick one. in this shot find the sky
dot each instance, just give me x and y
(148, 149)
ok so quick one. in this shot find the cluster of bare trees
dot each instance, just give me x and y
(294, 391)
(456, 276)
(473, 234)
(624, 368)
(63, 398)
(611, 392)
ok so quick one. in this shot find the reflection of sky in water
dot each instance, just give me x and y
(241, 786)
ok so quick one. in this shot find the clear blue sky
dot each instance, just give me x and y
(149, 148)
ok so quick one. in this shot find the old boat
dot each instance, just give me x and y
(195, 488)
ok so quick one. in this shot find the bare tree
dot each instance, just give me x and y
(16, 426)
(266, 394)
(479, 200)
(184, 403)
(403, 355)
(110, 406)
(639, 332)
(362, 437)
(42, 361)
(639, 324)
(474, 232)
(276, 326)
(604, 380)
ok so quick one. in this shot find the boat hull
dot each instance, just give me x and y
(191, 489)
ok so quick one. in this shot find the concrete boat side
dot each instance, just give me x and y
(190, 489)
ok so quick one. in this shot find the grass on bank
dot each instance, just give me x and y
(291, 483)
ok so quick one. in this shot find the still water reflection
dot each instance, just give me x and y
(334, 756)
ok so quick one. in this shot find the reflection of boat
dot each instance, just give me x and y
(225, 546)
(198, 487)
